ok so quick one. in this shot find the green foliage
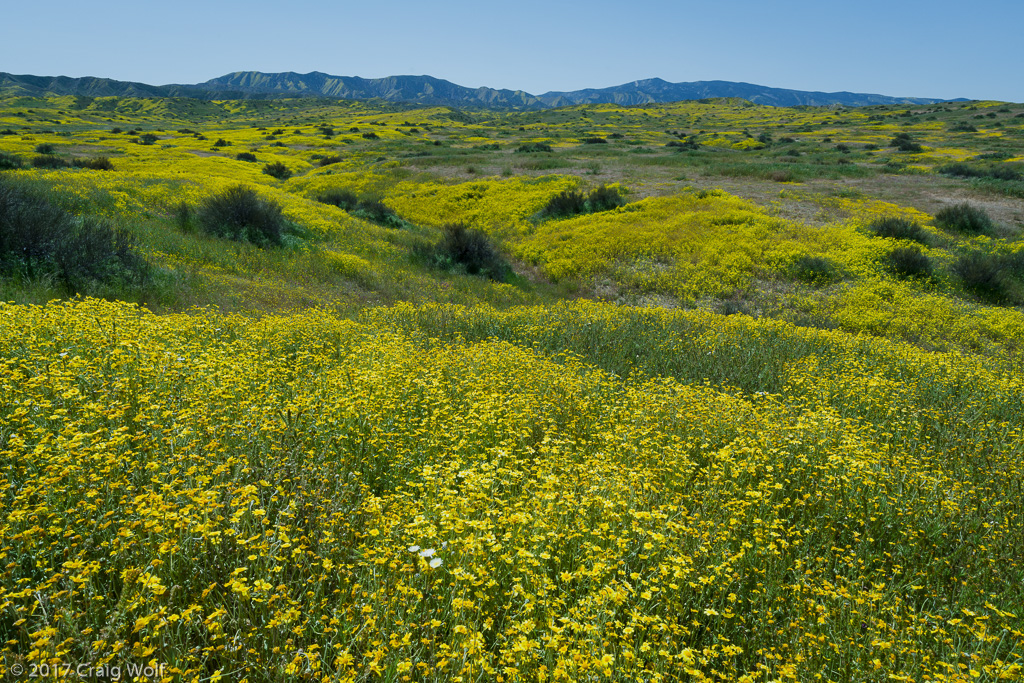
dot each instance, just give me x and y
(595, 141)
(965, 218)
(343, 199)
(909, 262)
(963, 127)
(816, 270)
(45, 148)
(48, 161)
(986, 275)
(898, 228)
(534, 147)
(147, 139)
(221, 142)
(904, 143)
(240, 214)
(330, 159)
(471, 250)
(278, 170)
(10, 161)
(94, 163)
(572, 203)
(1011, 172)
(39, 239)
(246, 156)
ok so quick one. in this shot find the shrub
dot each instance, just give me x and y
(376, 211)
(147, 139)
(38, 238)
(371, 136)
(534, 147)
(328, 160)
(239, 213)
(470, 249)
(964, 218)
(48, 161)
(898, 228)
(9, 161)
(221, 142)
(604, 198)
(278, 170)
(45, 148)
(909, 262)
(95, 163)
(246, 156)
(963, 127)
(595, 141)
(343, 199)
(904, 143)
(815, 270)
(115, 130)
(983, 275)
(566, 203)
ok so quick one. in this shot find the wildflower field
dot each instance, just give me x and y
(760, 418)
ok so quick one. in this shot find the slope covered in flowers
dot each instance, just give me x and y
(443, 492)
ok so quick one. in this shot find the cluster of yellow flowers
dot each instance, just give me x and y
(447, 493)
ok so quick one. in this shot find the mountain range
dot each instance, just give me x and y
(427, 90)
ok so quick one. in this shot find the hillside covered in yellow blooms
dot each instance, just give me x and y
(356, 391)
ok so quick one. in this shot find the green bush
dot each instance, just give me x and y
(38, 238)
(48, 161)
(604, 198)
(330, 159)
(564, 204)
(815, 270)
(984, 275)
(45, 148)
(246, 156)
(534, 147)
(343, 199)
(240, 214)
(898, 228)
(95, 163)
(376, 211)
(278, 170)
(147, 139)
(470, 249)
(221, 142)
(904, 143)
(964, 218)
(909, 262)
(371, 136)
(594, 141)
(963, 127)
(10, 161)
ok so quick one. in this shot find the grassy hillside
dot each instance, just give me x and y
(696, 391)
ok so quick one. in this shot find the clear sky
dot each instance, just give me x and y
(920, 48)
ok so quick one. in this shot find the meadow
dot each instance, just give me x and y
(729, 393)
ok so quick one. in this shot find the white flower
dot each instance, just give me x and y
(436, 562)
(413, 548)
(428, 552)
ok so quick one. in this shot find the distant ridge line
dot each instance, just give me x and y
(427, 90)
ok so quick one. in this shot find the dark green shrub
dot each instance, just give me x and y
(9, 161)
(604, 198)
(343, 199)
(470, 249)
(38, 238)
(984, 275)
(221, 142)
(371, 136)
(904, 143)
(278, 170)
(534, 147)
(240, 214)
(48, 161)
(909, 262)
(246, 156)
(964, 218)
(95, 163)
(489, 147)
(331, 159)
(898, 228)
(376, 211)
(45, 148)
(115, 130)
(147, 139)
(564, 204)
(594, 141)
(963, 127)
(815, 270)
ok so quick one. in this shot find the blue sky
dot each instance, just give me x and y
(936, 48)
